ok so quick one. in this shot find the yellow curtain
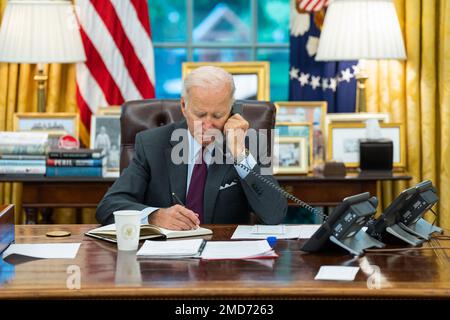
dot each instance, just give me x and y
(18, 94)
(416, 92)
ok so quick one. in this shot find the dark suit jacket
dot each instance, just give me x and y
(151, 178)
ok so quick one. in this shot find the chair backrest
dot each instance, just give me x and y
(140, 115)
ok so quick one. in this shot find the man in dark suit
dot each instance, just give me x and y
(180, 189)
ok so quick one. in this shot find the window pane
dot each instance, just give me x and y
(273, 21)
(168, 72)
(168, 20)
(224, 21)
(222, 55)
(279, 71)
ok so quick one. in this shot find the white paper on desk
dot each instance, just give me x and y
(307, 230)
(44, 250)
(304, 231)
(337, 273)
(268, 229)
(170, 249)
(238, 250)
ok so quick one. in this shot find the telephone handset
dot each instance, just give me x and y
(238, 108)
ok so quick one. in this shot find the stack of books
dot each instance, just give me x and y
(76, 163)
(23, 152)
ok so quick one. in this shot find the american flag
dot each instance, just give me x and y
(311, 5)
(118, 44)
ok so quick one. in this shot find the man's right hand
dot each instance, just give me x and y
(176, 217)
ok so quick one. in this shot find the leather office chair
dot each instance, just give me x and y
(145, 114)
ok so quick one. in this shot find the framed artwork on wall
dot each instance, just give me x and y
(251, 78)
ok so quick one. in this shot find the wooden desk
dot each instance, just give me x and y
(86, 192)
(105, 273)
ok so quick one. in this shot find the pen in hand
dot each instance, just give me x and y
(180, 202)
(177, 199)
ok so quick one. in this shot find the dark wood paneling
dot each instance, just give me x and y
(63, 194)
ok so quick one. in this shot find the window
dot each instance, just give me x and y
(226, 30)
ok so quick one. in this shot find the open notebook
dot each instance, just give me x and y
(148, 231)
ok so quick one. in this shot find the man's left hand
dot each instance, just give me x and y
(235, 130)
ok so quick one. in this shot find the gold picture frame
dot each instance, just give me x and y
(287, 129)
(343, 142)
(356, 117)
(257, 73)
(52, 123)
(291, 155)
(306, 111)
(109, 110)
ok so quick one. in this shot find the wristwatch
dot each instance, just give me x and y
(244, 154)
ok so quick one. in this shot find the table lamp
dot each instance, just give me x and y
(360, 29)
(40, 31)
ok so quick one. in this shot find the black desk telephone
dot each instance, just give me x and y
(344, 226)
(403, 218)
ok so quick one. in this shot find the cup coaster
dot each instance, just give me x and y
(58, 233)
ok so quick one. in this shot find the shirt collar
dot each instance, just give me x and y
(195, 148)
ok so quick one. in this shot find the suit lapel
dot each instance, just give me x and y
(177, 172)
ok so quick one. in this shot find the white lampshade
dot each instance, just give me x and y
(40, 31)
(360, 29)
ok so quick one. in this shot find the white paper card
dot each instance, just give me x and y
(44, 250)
(337, 273)
(290, 232)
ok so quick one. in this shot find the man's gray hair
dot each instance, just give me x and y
(208, 77)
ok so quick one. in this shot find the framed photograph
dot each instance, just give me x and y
(343, 142)
(110, 110)
(105, 134)
(251, 78)
(291, 154)
(354, 117)
(306, 111)
(298, 129)
(53, 123)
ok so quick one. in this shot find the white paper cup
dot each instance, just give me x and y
(127, 228)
